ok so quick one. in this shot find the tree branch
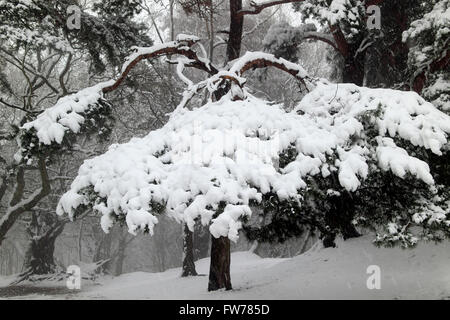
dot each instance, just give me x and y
(13, 213)
(63, 74)
(3, 186)
(20, 187)
(181, 47)
(14, 106)
(263, 60)
(321, 37)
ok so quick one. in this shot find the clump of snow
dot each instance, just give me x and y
(341, 108)
(187, 37)
(404, 114)
(66, 115)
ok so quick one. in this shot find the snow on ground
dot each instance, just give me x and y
(332, 273)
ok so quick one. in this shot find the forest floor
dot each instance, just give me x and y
(332, 273)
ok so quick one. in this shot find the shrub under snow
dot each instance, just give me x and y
(211, 162)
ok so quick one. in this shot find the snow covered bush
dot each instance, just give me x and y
(374, 177)
(388, 134)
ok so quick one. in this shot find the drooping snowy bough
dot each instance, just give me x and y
(214, 162)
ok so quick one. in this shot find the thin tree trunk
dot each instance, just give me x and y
(188, 268)
(121, 253)
(80, 242)
(219, 271)
(103, 252)
(172, 26)
(211, 32)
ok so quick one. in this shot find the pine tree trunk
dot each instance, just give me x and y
(39, 258)
(236, 28)
(219, 271)
(353, 71)
(188, 253)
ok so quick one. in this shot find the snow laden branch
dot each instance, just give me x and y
(233, 76)
(68, 117)
(252, 60)
(215, 162)
(182, 46)
(88, 110)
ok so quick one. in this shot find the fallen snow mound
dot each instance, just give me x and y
(332, 273)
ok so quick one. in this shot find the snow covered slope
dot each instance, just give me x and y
(339, 273)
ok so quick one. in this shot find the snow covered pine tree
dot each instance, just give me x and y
(216, 161)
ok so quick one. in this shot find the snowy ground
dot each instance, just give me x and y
(339, 273)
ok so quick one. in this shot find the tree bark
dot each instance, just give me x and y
(219, 271)
(188, 268)
(236, 27)
(39, 258)
(353, 71)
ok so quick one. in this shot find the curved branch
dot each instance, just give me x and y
(253, 60)
(321, 37)
(64, 72)
(181, 47)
